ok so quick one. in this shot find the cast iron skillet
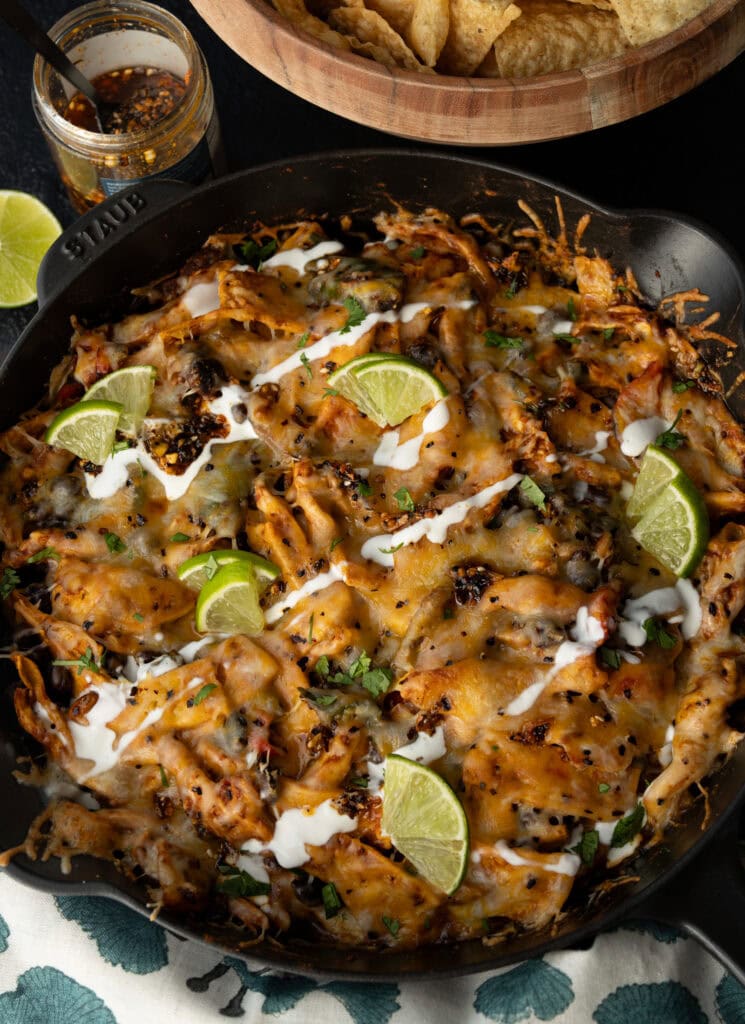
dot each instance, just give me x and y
(696, 880)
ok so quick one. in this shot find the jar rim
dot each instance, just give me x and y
(98, 12)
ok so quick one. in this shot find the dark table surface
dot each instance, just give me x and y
(687, 156)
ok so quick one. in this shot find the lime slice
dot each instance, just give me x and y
(386, 388)
(87, 429)
(229, 602)
(426, 822)
(658, 469)
(197, 571)
(132, 387)
(675, 527)
(27, 229)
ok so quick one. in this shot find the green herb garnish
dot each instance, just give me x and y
(9, 582)
(587, 847)
(417, 253)
(331, 900)
(571, 309)
(334, 542)
(628, 827)
(44, 555)
(303, 340)
(179, 538)
(610, 658)
(494, 340)
(138, 617)
(533, 493)
(364, 488)
(670, 438)
(114, 543)
(255, 254)
(405, 500)
(355, 314)
(235, 882)
(603, 787)
(306, 363)
(658, 634)
(683, 385)
(163, 776)
(608, 333)
(310, 627)
(392, 550)
(392, 925)
(84, 662)
(203, 693)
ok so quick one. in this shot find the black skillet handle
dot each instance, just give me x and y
(706, 899)
(100, 228)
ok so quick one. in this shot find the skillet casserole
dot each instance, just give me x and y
(463, 589)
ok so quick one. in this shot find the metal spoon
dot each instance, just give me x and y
(18, 18)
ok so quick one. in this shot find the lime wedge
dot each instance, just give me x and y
(229, 602)
(675, 527)
(387, 388)
(27, 229)
(87, 429)
(197, 571)
(658, 469)
(132, 387)
(426, 822)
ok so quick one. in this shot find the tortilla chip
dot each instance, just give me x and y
(296, 12)
(474, 25)
(370, 34)
(557, 36)
(429, 29)
(644, 20)
(398, 13)
(603, 5)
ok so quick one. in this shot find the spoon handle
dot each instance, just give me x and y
(18, 18)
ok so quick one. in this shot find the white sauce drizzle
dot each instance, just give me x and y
(601, 443)
(188, 652)
(96, 741)
(405, 456)
(41, 713)
(298, 259)
(296, 828)
(135, 669)
(661, 602)
(115, 470)
(345, 337)
(424, 750)
(587, 635)
(562, 327)
(637, 435)
(567, 864)
(253, 864)
(201, 298)
(666, 751)
(435, 529)
(319, 582)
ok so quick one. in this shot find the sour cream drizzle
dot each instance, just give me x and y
(641, 433)
(298, 259)
(601, 443)
(587, 635)
(435, 529)
(296, 828)
(319, 582)
(661, 602)
(96, 742)
(395, 455)
(115, 470)
(201, 298)
(345, 337)
(424, 750)
(567, 864)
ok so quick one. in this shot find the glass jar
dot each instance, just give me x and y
(101, 37)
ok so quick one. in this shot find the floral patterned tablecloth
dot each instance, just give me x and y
(87, 960)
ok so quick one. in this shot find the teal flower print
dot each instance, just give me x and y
(730, 1001)
(661, 932)
(666, 1002)
(365, 1003)
(44, 995)
(4, 933)
(534, 987)
(124, 937)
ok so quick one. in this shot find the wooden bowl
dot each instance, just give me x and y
(479, 111)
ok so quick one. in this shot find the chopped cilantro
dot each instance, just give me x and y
(375, 680)
(392, 924)
(44, 555)
(628, 827)
(203, 693)
(571, 309)
(567, 337)
(683, 385)
(670, 438)
(303, 340)
(405, 500)
(392, 550)
(119, 446)
(360, 781)
(306, 363)
(235, 882)
(334, 542)
(323, 700)
(138, 617)
(658, 634)
(495, 340)
(114, 543)
(608, 333)
(163, 776)
(364, 488)
(587, 847)
(417, 253)
(355, 314)
(512, 290)
(85, 661)
(9, 582)
(255, 254)
(331, 900)
(448, 612)
(179, 538)
(610, 658)
(329, 393)
(533, 493)
(323, 666)
(310, 627)
(603, 787)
